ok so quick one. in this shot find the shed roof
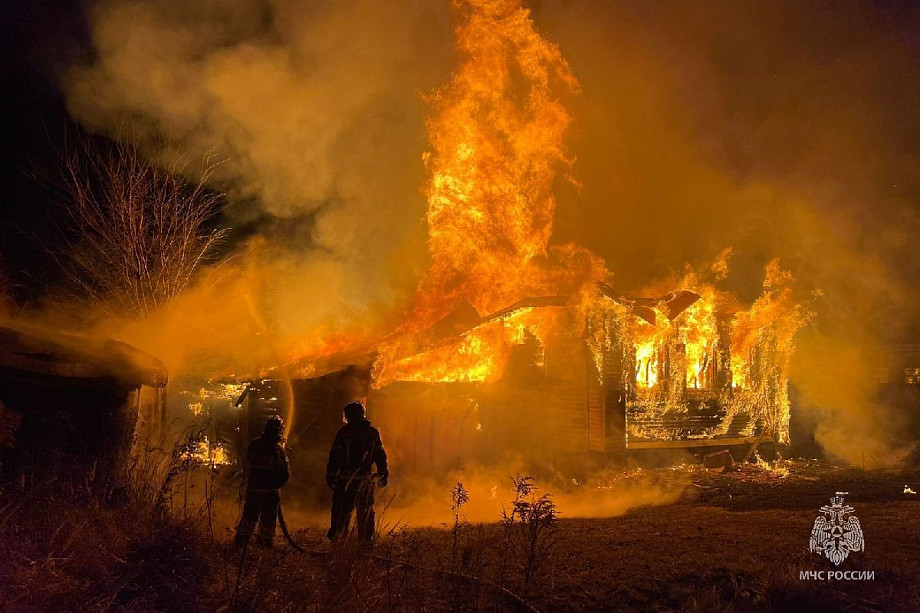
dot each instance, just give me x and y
(37, 350)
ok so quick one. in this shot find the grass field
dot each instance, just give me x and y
(735, 541)
(732, 541)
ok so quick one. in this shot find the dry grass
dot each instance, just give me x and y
(86, 547)
(68, 552)
(735, 542)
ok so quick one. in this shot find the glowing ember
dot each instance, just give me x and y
(210, 454)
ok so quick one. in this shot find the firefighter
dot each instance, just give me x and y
(357, 446)
(267, 471)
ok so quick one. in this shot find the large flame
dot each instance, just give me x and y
(762, 345)
(673, 361)
(497, 145)
(479, 355)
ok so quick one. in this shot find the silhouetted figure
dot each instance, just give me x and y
(267, 471)
(356, 448)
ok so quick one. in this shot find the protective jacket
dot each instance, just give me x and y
(356, 448)
(268, 464)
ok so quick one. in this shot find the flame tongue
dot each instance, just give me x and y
(497, 136)
(498, 294)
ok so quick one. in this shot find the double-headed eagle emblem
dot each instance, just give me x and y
(834, 535)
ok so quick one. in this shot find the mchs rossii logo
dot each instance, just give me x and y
(834, 535)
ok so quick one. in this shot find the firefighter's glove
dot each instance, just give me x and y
(330, 482)
(382, 482)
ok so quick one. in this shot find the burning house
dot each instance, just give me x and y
(518, 347)
(558, 382)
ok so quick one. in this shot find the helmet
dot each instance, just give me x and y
(354, 411)
(274, 425)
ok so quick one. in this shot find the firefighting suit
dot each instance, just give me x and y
(268, 472)
(356, 447)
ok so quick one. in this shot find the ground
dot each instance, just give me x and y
(734, 540)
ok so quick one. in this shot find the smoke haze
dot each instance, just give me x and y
(779, 129)
(316, 115)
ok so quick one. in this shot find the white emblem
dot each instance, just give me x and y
(835, 535)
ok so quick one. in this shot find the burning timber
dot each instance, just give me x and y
(562, 380)
(515, 347)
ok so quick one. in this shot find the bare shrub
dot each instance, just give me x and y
(139, 232)
(66, 551)
(459, 496)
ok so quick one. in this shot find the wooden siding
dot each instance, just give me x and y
(596, 419)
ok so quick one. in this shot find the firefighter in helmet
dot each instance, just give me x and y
(356, 448)
(267, 470)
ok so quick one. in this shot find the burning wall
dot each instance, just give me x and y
(601, 370)
(711, 368)
(581, 365)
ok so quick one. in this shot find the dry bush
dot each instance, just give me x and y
(71, 547)
(529, 530)
(138, 232)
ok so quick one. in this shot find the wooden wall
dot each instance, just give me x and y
(427, 427)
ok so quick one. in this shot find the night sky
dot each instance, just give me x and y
(39, 42)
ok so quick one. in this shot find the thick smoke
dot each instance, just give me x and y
(781, 129)
(316, 115)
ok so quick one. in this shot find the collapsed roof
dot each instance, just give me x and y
(464, 318)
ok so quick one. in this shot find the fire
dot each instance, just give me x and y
(762, 345)
(497, 145)
(474, 359)
(647, 364)
(497, 138)
(479, 355)
(498, 291)
(700, 336)
(209, 453)
(694, 331)
(712, 360)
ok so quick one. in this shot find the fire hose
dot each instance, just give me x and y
(287, 534)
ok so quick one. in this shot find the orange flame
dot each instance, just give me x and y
(497, 145)
(497, 138)
(479, 355)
